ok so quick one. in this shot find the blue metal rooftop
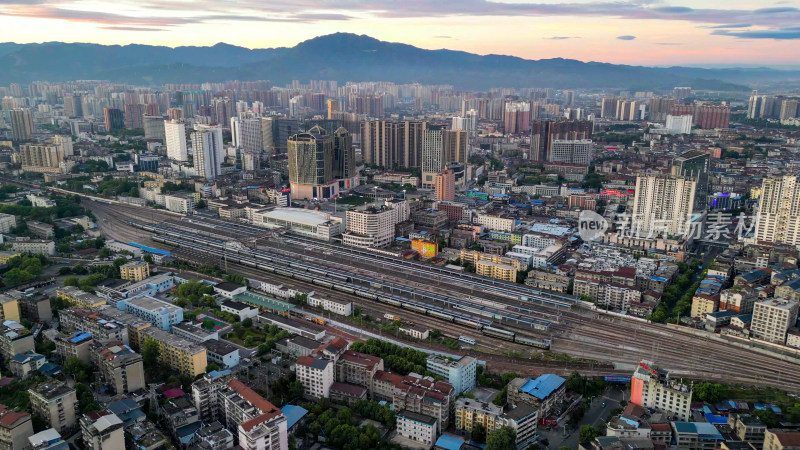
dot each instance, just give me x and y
(543, 386)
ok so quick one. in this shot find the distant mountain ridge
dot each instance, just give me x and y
(347, 57)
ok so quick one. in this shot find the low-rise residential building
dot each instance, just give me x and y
(772, 318)
(15, 428)
(134, 271)
(118, 366)
(316, 375)
(703, 304)
(498, 271)
(415, 331)
(543, 393)
(48, 439)
(102, 430)
(652, 387)
(347, 394)
(34, 246)
(469, 412)
(696, 435)
(56, 404)
(159, 313)
(229, 289)
(213, 436)
(79, 298)
(748, 428)
(184, 356)
(95, 322)
(243, 310)
(74, 345)
(24, 364)
(738, 298)
(460, 373)
(357, 368)
(781, 440)
(417, 427)
(432, 398)
(195, 331)
(14, 339)
(183, 204)
(336, 306)
(222, 353)
(7, 222)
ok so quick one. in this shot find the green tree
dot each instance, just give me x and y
(148, 258)
(478, 433)
(709, 392)
(86, 400)
(77, 369)
(104, 253)
(150, 353)
(66, 270)
(247, 323)
(504, 438)
(587, 434)
(208, 324)
(767, 416)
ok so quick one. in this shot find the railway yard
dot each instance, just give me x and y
(503, 318)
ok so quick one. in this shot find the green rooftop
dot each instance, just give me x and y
(264, 302)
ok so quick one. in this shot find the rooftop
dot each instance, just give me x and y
(417, 417)
(543, 386)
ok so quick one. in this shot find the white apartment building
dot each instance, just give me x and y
(175, 133)
(417, 427)
(7, 222)
(663, 205)
(208, 150)
(679, 124)
(772, 318)
(316, 375)
(539, 241)
(339, 307)
(179, 203)
(779, 211)
(577, 151)
(372, 227)
(652, 387)
(35, 246)
(496, 222)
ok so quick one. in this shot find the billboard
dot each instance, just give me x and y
(424, 248)
(616, 379)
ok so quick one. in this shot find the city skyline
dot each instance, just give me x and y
(657, 33)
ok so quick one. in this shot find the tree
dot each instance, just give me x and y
(709, 392)
(66, 270)
(478, 433)
(148, 258)
(150, 353)
(104, 253)
(208, 324)
(247, 323)
(587, 434)
(212, 366)
(86, 401)
(77, 368)
(504, 438)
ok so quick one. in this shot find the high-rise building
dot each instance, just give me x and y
(56, 404)
(134, 114)
(432, 155)
(754, 106)
(694, 165)
(251, 138)
(789, 109)
(772, 318)
(311, 164)
(344, 157)
(236, 131)
(333, 107)
(114, 119)
(455, 146)
(175, 137)
(154, 128)
(652, 387)
(391, 144)
(663, 205)
(682, 92)
(21, 124)
(208, 150)
(713, 116)
(778, 217)
(626, 110)
(659, 108)
(446, 185)
(37, 156)
(73, 106)
(374, 227)
(276, 132)
(608, 107)
(571, 151)
(517, 118)
(544, 132)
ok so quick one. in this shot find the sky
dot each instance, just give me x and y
(642, 32)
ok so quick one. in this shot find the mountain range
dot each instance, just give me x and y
(350, 57)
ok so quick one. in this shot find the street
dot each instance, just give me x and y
(595, 415)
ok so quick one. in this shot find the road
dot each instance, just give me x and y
(579, 333)
(597, 415)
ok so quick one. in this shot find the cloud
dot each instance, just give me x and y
(561, 38)
(443, 37)
(121, 28)
(668, 43)
(626, 37)
(730, 25)
(167, 13)
(785, 34)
